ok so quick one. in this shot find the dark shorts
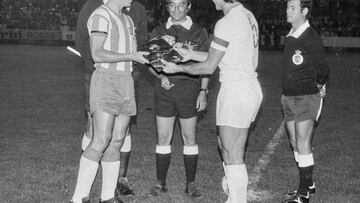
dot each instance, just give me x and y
(112, 93)
(180, 100)
(301, 108)
(87, 80)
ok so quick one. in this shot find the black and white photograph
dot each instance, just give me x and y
(179, 101)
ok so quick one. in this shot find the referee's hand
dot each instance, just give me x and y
(322, 90)
(171, 67)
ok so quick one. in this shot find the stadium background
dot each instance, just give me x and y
(53, 21)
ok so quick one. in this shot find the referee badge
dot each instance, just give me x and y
(297, 58)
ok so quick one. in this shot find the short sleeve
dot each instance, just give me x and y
(98, 23)
(222, 36)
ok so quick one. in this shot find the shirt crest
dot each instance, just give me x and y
(297, 58)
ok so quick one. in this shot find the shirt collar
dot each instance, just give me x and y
(186, 24)
(299, 31)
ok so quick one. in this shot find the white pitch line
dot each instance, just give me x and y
(74, 51)
(256, 173)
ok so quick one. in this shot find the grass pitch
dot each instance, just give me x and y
(42, 122)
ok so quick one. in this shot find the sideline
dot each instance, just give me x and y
(254, 178)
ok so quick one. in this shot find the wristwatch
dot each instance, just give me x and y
(205, 90)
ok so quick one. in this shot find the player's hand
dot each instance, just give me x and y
(201, 101)
(185, 53)
(170, 67)
(165, 83)
(139, 57)
(322, 90)
(178, 45)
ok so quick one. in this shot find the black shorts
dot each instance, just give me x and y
(179, 100)
(301, 108)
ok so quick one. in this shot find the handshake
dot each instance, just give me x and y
(164, 48)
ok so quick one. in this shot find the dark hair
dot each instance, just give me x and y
(233, 1)
(188, 2)
(306, 4)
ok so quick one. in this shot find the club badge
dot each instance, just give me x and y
(297, 58)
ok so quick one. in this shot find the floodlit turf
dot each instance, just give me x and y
(42, 122)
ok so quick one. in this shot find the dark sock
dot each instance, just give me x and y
(190, 162)
(162, 166)
(305, 179)
(124, 163)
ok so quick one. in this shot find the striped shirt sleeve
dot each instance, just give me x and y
(98, 23)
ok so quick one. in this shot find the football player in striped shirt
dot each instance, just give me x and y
(112, 97)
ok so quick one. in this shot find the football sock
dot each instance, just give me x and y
(306, 167)
(86, 176)
(85, 142)
(191, 156)
(126, 147)
(109, 179)
(237, 179)
(163, 155)
(124, 159)
(125, 152)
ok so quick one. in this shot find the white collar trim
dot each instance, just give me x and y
(186, 24)
(299, 31)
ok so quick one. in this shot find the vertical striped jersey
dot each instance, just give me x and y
(120, 32)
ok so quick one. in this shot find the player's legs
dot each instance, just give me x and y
(191, 154)
(165, 117)
(89, 130)
(188, 130)
(300, 113)
(165, 128)
(304, 131)
(125, 152)
(290, 127)
(237, 105)
(111, 158)
(123, 187)
(233, 141)
(103, 124)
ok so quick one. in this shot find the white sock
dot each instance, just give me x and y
(127, 144)
(110, 173)
(306, 160)
(85, 142)
(86, 176)
(237, 179)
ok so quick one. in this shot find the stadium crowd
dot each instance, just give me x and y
(39, 15)
(331, 17)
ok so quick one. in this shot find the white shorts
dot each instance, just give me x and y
(238, 103)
